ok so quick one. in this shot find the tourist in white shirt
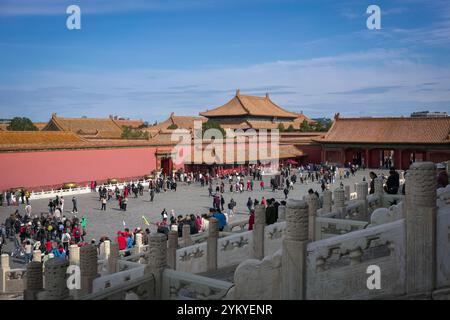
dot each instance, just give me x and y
(65, 239)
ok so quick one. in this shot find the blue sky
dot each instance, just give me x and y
(144, 59)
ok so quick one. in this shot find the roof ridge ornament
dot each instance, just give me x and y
(238, 92)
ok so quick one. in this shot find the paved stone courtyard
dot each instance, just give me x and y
(186, 200)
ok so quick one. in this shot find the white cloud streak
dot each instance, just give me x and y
(377, 82)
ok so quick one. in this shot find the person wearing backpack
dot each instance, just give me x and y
(76, 234)
(60, 230)
(231, 206)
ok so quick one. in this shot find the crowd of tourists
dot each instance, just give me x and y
(52, 232)
(47, 232)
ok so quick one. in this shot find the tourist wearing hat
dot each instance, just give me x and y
(442, 175)
(393, 182)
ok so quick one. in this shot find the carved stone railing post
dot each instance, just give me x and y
(362, 190)
(172, 250)
(55, 283)
(327, 201)
(186, 233)
(378, 192)
(313, 206)
(347, 193)
(74, 255)
(4, 267)
(258, 232)
(293, 265)
(113, 257)
(211, 244)
(281, 213)
(88, 268)
(37, 255)
(421, 210)
(339, 201)
(157, 261)
(35, 280)
(138, 244)
(378, 185)
(105, 249)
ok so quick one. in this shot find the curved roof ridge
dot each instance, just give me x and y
(242, 103)
(281, 108)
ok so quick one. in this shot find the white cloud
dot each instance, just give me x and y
(298, 85)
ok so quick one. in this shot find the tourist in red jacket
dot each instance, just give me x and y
(76, 233)
(48, 246)
(251, 220)
(121, 240)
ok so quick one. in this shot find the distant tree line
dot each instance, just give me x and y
(305, 126)
(128, 132)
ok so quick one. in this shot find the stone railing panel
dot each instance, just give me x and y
(142, 288)
(337, 267)
(15, 280)
(192, 259)
(182, 285)
(117, 279)
(234, 249)
(443, 237)
(443, 196)
(329, 227)
(273, 237)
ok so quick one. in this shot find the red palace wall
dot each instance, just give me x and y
(52, 168)
(439, 156)
(333, 156)
(314, 153)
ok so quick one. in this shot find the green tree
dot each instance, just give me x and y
(305, 127)
(21, 124)
(173, 126)
(131, 133)
(290, 128)
(281, 127)
(211, 124)
(319, 127)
